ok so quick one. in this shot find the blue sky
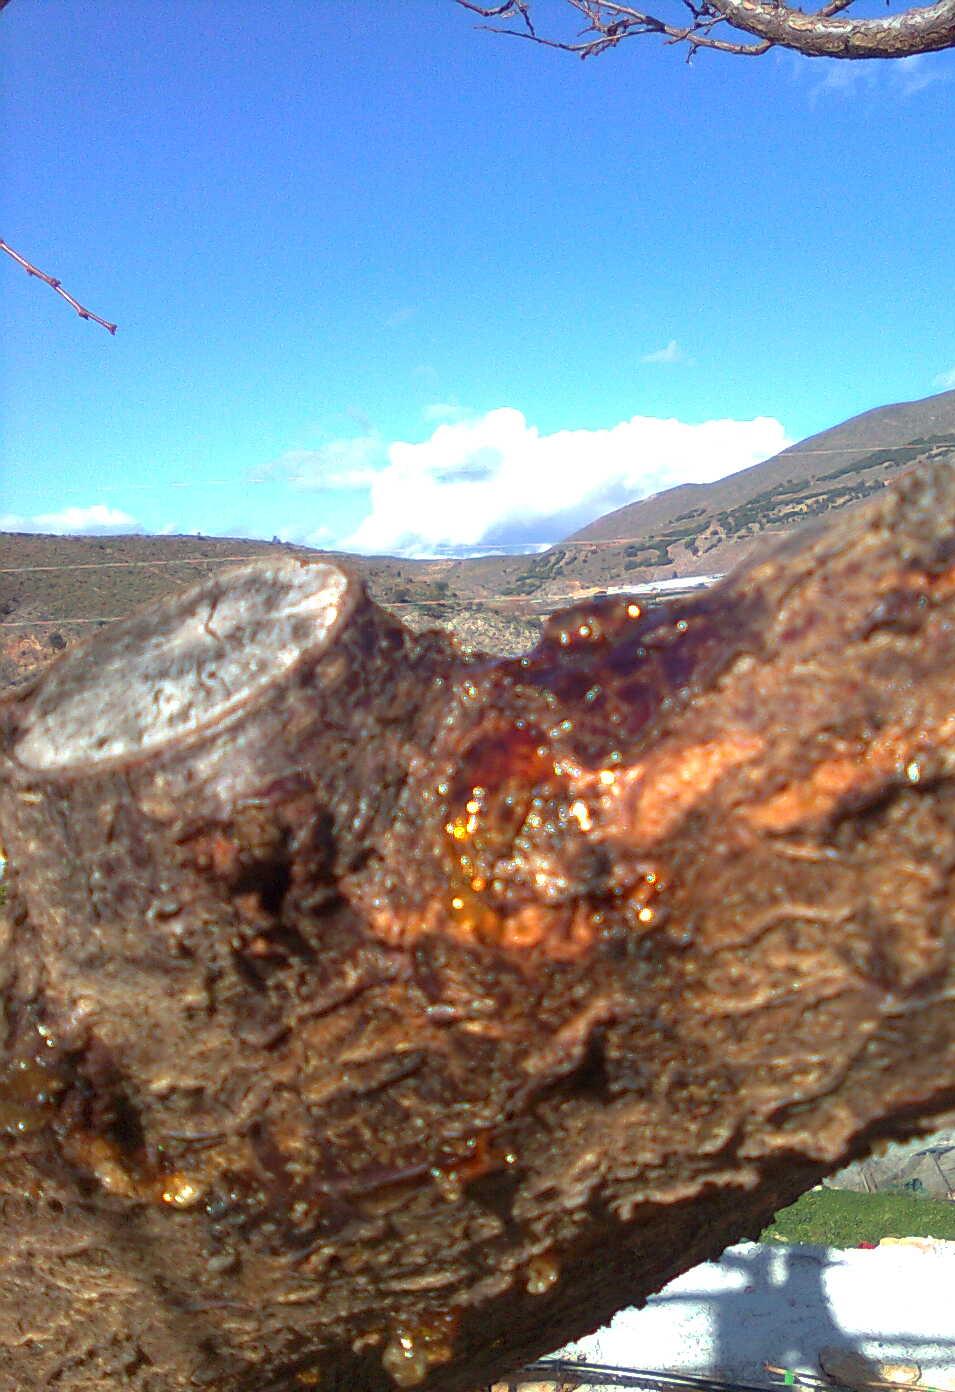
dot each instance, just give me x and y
(387, 282)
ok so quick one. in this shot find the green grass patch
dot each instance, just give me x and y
(841, 1218)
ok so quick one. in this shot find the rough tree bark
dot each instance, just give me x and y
(375, 1016)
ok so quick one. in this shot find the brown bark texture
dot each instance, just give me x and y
(920, 29)
(378, 1016)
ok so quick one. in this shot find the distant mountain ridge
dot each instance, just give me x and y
(56, 590)
(830, 470)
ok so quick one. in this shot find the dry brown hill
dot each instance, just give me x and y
(708, 527)
(55, 590)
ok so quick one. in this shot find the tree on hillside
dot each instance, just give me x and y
(746, 27)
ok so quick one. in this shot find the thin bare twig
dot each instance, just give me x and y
(505, 11)
(833, 8)
(610, 34)
(54, 284)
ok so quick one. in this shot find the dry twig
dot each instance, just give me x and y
(53, 283)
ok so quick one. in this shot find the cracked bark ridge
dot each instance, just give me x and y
(379, 1016)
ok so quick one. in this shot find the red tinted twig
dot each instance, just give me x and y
(54, 284)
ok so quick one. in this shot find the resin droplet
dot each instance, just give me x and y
(413, 1349)
(404, 1360)
(449, 1183)
(543, 1271)
(29, 1089)
(180, 1191)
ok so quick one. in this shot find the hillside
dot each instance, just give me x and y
(56, 590)
(709, 527)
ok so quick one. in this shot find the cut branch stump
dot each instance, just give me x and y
(378, 1015)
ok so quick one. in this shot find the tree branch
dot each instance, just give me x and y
(379, 1016)
(814, 34)
(504, 11)
(53, 283)
(921, 30)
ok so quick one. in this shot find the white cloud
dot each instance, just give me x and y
(672, 353)
(319, 536)
(496, 480)
(834, 78)
(915, 73)
(345, 463)
(945, 380)
(97, 520)
(439, 411)
(902, 77)
(841, 77)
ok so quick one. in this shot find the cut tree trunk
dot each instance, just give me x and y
(376, 1015)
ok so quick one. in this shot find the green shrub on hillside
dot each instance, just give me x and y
(523, 584)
